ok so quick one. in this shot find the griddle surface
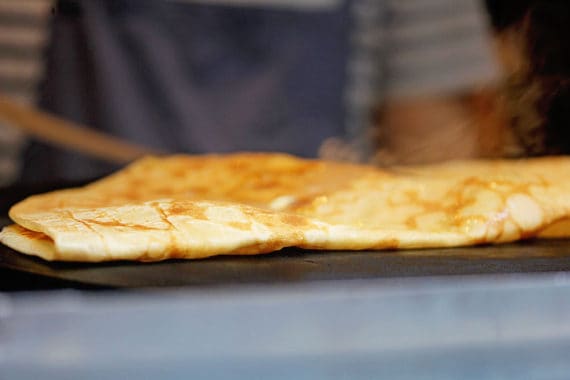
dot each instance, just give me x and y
(293, 265)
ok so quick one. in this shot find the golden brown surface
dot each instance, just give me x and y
(192, 207)
(252, 178)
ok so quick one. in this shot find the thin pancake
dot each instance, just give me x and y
(193, 207)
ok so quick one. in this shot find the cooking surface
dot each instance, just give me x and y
(290, 265)
(293, 265)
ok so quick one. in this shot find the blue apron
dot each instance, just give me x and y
(188, 77)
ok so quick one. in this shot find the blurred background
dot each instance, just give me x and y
(88, 85)
(386, 82)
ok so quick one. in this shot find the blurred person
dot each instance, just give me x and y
(532, 38)
(302, 77)
(425, 91)
(23, 27)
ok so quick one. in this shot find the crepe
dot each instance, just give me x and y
(199, 206)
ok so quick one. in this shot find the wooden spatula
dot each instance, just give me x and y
(57, 131)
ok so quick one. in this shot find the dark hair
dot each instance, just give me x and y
(540, 95)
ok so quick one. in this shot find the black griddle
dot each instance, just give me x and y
(19, 271)
(294, 265)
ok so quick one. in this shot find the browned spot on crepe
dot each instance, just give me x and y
(187, 209)
(34, 235)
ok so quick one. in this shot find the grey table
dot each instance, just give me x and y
(469, 327)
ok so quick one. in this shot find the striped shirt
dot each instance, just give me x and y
(23, 27)
(412, 48)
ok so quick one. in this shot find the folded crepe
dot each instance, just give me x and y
(199, 206)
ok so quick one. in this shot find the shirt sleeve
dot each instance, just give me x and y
(23, 33)
(437, 47)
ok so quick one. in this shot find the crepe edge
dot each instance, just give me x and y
(28, 242)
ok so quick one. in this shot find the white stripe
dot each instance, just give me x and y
(428, 5)
(39, 8)
(29, 69)
(369, 68)
(32, 38)
(439, 27)
(416, 59)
